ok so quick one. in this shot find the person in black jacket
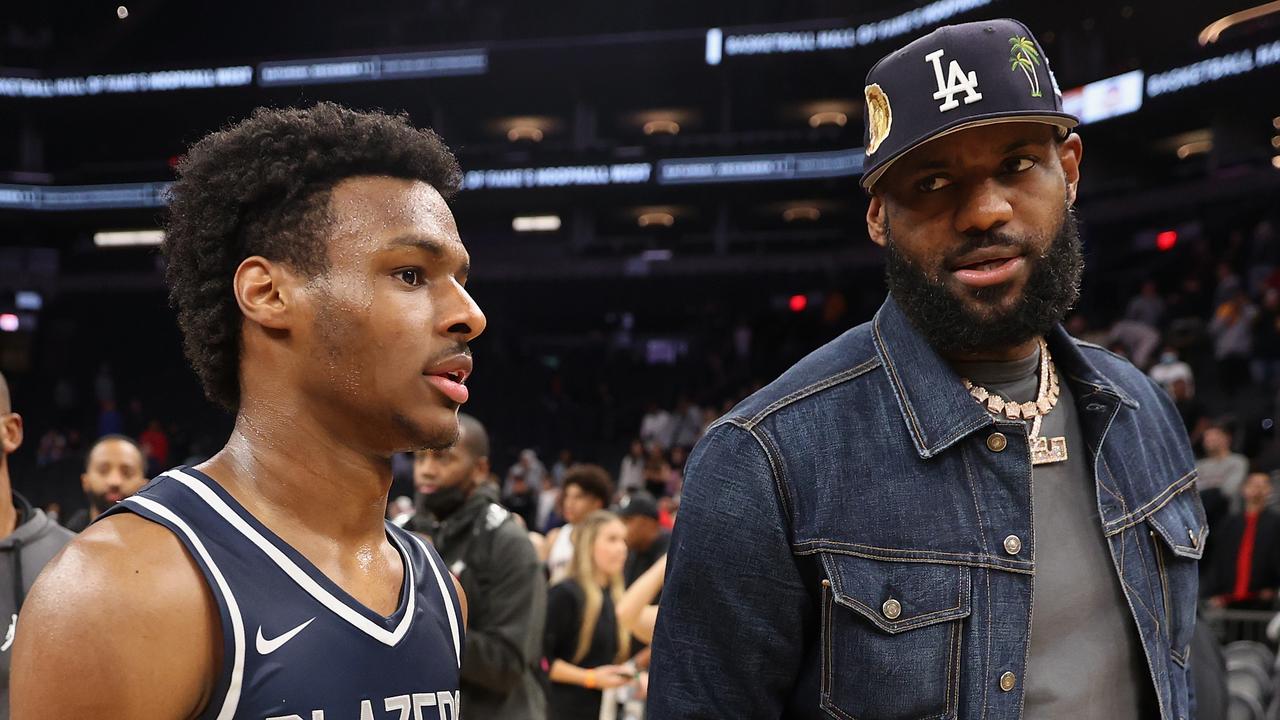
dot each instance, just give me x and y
(492, 557)
(1245, 567)
(28, 540)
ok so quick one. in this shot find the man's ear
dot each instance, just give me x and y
(481, 471)
(1070, 151)
(10, 432)
(266, 292)
(877, 221)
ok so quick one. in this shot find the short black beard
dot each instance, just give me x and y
(950, 327)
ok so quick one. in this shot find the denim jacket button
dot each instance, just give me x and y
(997, 442)
(1013, 545)
(1007, 681)
(892, 609)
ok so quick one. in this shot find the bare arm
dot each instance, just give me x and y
(634, 610)
(122, 596)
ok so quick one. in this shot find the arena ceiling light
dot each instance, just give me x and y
(1214, 30)
(661, 127)
(128, 238)
(829, 117)
(801, 213)
(536, 223)
(656, 219)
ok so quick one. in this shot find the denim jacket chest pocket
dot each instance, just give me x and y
(891, 635)
(1178, 532)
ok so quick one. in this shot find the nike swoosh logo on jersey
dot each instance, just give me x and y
(266, 647)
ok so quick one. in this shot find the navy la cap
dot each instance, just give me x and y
(956, 77)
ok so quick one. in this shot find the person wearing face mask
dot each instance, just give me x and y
(1170, 369)
(485, 547)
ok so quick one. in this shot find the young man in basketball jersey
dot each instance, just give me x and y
(318, 277)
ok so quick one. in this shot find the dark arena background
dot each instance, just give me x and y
(661, 203)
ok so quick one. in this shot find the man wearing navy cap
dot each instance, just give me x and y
(955, 510)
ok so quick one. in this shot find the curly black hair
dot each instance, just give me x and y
(261, 187)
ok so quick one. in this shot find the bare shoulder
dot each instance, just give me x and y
(118, 597)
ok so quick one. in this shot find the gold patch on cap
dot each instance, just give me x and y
(879, 115)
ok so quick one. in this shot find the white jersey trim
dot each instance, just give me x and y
(448, 599)
(300, 576)
(232, 699)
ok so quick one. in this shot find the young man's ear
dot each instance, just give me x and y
(877, 221)
(10, 432)
(265, 292)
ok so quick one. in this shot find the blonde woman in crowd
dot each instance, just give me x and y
(584, 642)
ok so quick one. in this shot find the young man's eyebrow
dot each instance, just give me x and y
(430, 245)
(421, 242)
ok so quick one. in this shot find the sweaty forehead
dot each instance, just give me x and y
(374, 208)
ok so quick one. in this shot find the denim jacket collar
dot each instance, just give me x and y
(935, 406)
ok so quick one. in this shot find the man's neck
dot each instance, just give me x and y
(8, 513)
(1005, 354)
(1252, 508)
(1219, 454)
(294, 474)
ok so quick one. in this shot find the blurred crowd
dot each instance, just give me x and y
(562, 556)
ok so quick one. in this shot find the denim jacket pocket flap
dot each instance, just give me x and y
(899, 596)
(1181, 524)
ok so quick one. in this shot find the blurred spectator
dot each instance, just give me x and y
(562, 464)
(668, 507)
(1266, 340)
(675, 479)
(490, 554)
(1220, 468)
(400, 511)
(646, 539)
(657, 471)
(548, 500)
(155, 445)
(1194, 415)
(1245, 568)
(28, 540)
(110, 421)
(1170, 368)
(655, 427)
(585, 644)
(522, 500)
(1147, 307)
(686, 424)
(1138, 339)
(1232, 331)
(631, 474)
(529, 466)
(587, 488)
(1229, 285)
(115, 470)
(53, 445)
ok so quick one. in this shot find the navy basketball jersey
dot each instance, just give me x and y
(295, 645)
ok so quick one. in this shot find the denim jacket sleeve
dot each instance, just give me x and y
(730, 635)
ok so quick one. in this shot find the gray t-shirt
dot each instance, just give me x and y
(1086, 660)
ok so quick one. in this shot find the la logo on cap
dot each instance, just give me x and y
(957, 82)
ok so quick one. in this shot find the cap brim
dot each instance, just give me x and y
(1062, 120)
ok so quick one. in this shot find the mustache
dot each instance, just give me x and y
(450, 353)
(991, 238)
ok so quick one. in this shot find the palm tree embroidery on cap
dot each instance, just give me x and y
(1023, 55)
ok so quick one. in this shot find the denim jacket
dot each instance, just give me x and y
(865, 473)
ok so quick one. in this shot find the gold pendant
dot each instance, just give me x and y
(1048, 450)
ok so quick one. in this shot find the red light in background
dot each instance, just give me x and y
(1166, 240)
(798, 303)
(9, 322)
